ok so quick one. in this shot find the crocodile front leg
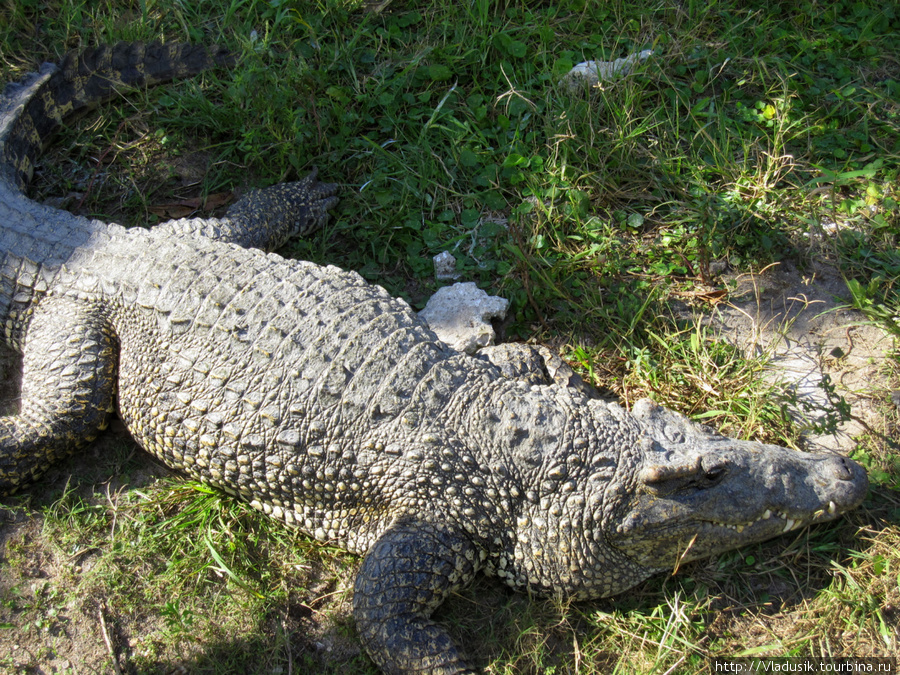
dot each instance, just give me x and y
(68, 390)
(406, 574)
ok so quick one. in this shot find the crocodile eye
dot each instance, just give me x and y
(714, 475)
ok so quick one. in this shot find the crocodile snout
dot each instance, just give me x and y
(848, 480)
(842, 468)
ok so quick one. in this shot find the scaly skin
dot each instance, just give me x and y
(329, 405)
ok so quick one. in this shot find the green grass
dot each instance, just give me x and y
(757, 132)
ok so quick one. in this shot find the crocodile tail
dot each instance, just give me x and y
(32, 110)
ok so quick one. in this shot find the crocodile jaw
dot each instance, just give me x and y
(665, 543)
(697, 493)
(791, 522)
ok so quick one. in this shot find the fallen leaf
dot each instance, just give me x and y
(711, 296)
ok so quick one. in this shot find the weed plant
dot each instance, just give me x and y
(756, 132)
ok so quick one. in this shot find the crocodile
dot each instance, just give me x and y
(329, 405)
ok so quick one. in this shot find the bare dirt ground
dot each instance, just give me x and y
(794, 315)
(803, 320)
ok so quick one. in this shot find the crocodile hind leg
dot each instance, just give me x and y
(406, 574)
(68, 390)
(266, 218)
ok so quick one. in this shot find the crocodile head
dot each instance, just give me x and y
(688, 492)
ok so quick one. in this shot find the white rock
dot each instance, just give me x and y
(592, 73)
(461, 316)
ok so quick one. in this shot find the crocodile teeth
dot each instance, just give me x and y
(789, 523)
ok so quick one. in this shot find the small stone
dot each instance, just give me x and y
(445, 267)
